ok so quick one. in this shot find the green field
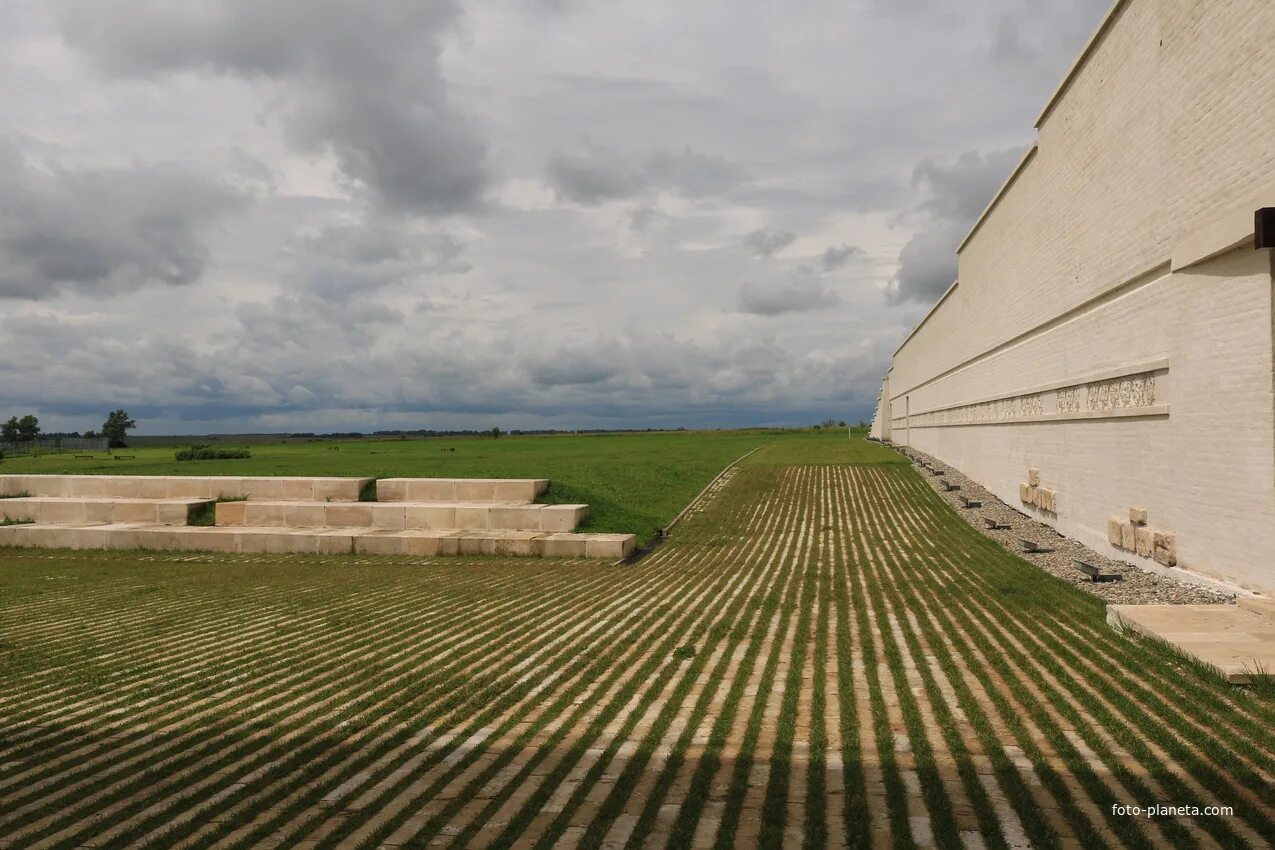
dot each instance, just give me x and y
(822, 655)
(633, 483)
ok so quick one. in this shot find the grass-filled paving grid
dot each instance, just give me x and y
(824, 656)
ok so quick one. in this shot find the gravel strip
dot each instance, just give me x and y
(1136, 586)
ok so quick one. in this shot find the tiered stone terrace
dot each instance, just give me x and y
(412, 516)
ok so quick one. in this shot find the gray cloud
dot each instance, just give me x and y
(957, 193)
(101, 231)
(349, 259)
(593, 174)
(315, 309)
(836, 256)
(800, 295)
(362, 81)
(767, 243)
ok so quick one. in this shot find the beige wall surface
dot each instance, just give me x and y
(1113, 324)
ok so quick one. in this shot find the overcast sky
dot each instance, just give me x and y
(235, 215)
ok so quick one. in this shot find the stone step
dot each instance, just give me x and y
(370, 541)
(479, 516)
(1239, 640)
(56, 509)
(184, 487)
(460, 489)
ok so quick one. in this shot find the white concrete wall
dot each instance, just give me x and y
(1121, 251)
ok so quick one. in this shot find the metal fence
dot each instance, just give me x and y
(54, 445)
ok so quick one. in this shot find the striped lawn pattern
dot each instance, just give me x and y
(823, 656)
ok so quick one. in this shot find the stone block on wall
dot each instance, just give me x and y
(1024, 493)
(1138, 516)
(1165, 549)
(1113, 530)
(1033, 477)
(1144, 538)
(1128, 540)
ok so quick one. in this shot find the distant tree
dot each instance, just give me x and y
(116, 427)
(495, 433)
(28, 428)
(841, 424)
(90, 434)
(9, 430)
(828, 423)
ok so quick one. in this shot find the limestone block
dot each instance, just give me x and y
(265, 514)
(290, 542)
(94, 537)
(1165, 548)
(1113, 531)
(425, 490)
(157, 538)
(1128, 540)
(423, 543)
(172, 513)
(515, 518)
(610, 546)
(199, 539)
(334, 543)
(100, 511)
(230, 513)
(476, 543)
(380, 543)
(1033, 477)
(1144, 538)
(135, 512)
(1045, 499)
(1025, 493)
(303, 515)
(519, 489)
(253, 541)
(339, 489)
(391, 490)
(21, 509)
(516, 543)
(429, 516)
(562, 517)
(347, 515)
(297, 489)
(1138, 516)
(152, 487)
(475, 490)
(68, 511)
(388, 516)
(122, 537)
(449, 544)
(264, 488)
(473, 516)
(561, 545)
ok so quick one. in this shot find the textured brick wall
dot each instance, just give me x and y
(1164, 129)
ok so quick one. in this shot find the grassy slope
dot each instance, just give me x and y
(1021, 709)
(632, 482)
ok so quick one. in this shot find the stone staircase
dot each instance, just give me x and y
(411, 516)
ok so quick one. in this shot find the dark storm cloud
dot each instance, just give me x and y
(767, 243)
(362, 80)
(957, 193)
(101, 231)
(593, 174)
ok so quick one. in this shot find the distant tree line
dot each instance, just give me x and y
(26, 429)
